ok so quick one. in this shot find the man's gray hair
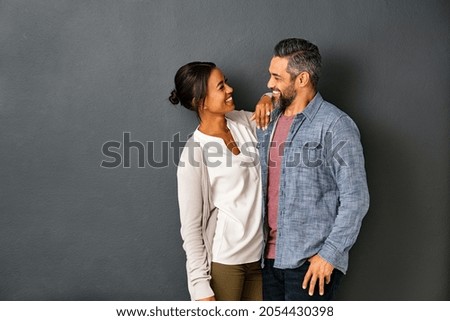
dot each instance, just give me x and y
(302, 56)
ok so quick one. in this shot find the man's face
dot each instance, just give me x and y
(281, 84)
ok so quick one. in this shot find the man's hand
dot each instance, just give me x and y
(319, 271)
(262, 112)
(210, 298)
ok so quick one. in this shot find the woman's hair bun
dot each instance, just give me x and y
(174, 98)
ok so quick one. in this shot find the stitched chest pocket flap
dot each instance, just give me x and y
(310, 154)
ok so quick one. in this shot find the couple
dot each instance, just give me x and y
(296, 211)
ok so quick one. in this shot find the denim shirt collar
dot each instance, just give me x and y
(310, 110)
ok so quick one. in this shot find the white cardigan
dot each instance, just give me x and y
(236, 192)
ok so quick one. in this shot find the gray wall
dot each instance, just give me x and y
(77, 74)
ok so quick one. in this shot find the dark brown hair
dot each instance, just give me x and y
(191, 84)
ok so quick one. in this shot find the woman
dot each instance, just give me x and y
(226, 143)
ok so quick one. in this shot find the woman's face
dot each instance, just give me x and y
(218, 98)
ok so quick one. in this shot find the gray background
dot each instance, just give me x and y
(76, 74)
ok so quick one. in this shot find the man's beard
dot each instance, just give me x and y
(286, 99)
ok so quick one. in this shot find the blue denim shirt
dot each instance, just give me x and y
(323, 193)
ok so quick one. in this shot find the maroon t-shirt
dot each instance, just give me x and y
(276, 152)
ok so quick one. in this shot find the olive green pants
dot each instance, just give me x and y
(242, 282)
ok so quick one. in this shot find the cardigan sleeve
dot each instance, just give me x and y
(191, 209)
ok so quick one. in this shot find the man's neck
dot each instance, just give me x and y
(299, 104)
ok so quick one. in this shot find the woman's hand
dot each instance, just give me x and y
(262, 112)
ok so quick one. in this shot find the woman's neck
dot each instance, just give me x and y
(213, 125)
(217, 126)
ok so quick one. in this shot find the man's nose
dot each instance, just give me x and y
(270, 83)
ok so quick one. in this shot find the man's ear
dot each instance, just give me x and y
(303, 79)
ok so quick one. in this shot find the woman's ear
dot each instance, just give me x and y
(195, 104)
(199, 104)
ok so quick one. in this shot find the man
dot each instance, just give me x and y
(314, 182)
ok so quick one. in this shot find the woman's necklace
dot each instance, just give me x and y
(227, 138)
(230, 143)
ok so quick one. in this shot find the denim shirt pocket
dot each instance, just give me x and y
(312, 154)
(307, 155)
